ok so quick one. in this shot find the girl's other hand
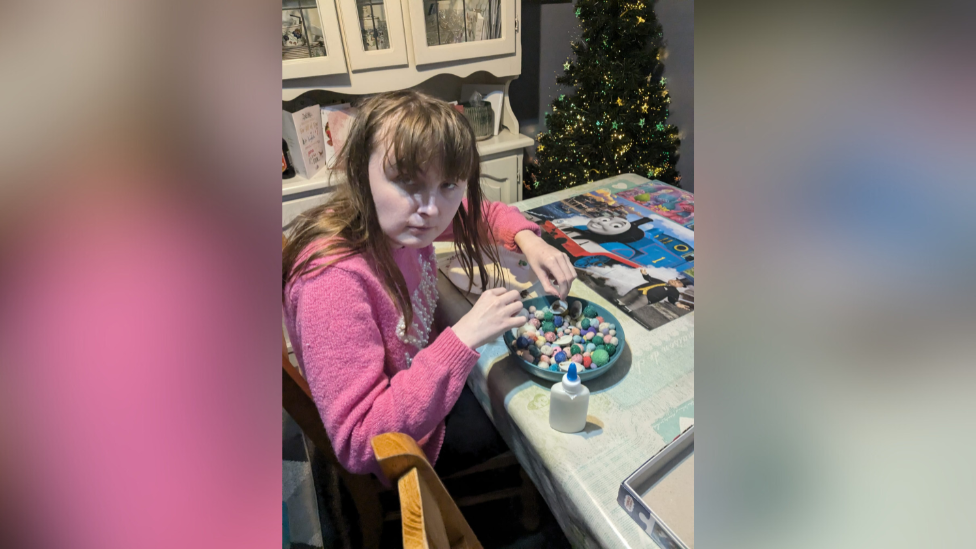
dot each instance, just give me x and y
(549, 264)
(491, 315)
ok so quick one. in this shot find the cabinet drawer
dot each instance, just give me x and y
(291, 208)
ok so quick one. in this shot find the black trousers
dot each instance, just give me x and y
(470, 437)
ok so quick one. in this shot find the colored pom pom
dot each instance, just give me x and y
(546, 350)
(577, 339)
(532, 310)
(548, 315)
(588, 336)
(613, 341)
(540, 341)
(550, 337)
(558, 321)
(600, 357)
(575, 331)
(560, 357)
(522, 342)
(600, 347)
(611, 349)
(590, 311)
(577, 358)
(613, 332)
(548, 326)
(598, 319)
(598, 340)
(554, 368)
(587, 361)
(536, 323)
(585, 324)
(590, 347)
(535, 351)
(540, 315)
(575, 350)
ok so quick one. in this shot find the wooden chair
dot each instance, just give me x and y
(296, 397)
(431, 519)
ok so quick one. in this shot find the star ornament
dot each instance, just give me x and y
(660, 127)
(566, 65)
(620, 102)
(642, 122)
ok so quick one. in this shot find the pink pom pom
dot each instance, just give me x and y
(535, 322)
(550, 337)
(577, 359)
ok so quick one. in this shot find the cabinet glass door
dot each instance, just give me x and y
(374, 33)
(311, 44)
(447, 30)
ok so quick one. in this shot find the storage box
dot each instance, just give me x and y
(660, 495)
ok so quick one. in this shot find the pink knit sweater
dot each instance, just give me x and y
(369, 374)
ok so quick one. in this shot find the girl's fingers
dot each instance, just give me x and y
(511, 296)
(512, 308)
(570, 268)
(515, 322)
(561, 276)
(543, 276)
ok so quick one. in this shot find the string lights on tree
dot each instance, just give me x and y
(616, 72)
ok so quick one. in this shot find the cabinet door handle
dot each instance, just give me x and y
(501, 179)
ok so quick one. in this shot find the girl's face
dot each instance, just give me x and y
(412, 213)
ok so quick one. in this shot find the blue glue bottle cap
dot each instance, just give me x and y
(571, 380)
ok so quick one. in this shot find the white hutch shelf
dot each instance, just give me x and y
(360, 64)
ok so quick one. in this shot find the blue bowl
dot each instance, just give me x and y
(585, 374)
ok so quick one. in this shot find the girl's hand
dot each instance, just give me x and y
(491, 315)
(549, 264)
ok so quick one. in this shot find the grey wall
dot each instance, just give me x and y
(548, 27)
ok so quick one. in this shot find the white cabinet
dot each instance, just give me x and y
(456, 30)
(362, 47)
(374, 33)
(500, 179)
(311, 43)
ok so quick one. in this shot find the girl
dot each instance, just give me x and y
(359, 279)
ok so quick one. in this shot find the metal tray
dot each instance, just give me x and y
(659, 491)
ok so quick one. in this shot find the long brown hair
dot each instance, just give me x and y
(420, 130)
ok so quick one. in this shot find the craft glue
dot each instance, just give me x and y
(568, 401)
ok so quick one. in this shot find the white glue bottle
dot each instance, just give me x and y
(568, 402)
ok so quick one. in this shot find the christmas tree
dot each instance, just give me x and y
(617, 119)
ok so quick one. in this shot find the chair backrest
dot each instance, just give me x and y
(431, 519)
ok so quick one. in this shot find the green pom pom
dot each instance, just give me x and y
(611, 349)
(548, 316)
(548, 326)
(585, 324)
(599, 357)
(590, 311)
(575, 350)
(601, 348)
(598, 340)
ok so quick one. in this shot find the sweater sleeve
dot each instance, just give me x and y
(505, 222)
(354, 395)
